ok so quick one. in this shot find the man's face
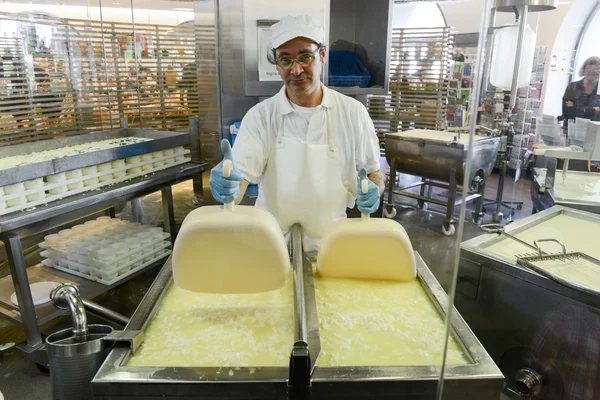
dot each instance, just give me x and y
(301, 79)
(592, 72)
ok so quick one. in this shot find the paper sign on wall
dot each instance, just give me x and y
(266, 70)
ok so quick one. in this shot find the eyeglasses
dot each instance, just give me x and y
(592, 70)
(303, 60)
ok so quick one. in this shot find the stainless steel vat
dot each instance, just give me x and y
(117, 381)
(510, 307)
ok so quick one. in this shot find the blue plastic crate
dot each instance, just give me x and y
(345, 69)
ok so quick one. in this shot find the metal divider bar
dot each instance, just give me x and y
(299, 373)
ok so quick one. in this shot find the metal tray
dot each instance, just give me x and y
(116, 381)
(552, 196)
(160, 140)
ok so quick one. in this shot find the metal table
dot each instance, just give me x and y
(117, 381)
(544, 195)
(42, 218)
(505, 303)
(440, 163)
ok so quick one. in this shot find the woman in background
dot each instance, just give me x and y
(581, 99)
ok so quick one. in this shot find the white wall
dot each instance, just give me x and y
(417, 15)
(589, 44)
(563, 51)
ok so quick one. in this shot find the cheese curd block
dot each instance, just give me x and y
(104, 178)
(158, 164)
(133, 160)
(14, 188)
(367, 248)
(36, 196)
(2, 205)
(223, 251)
(168, 152)
(89, 170)
(135, 170)
(34, 183)
(75, 185)
(91, 182)
(74, 174)
(16, 201)
(212, 330)
(380, 323)
(119, 174)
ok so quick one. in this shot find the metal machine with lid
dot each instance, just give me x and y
(439, 158)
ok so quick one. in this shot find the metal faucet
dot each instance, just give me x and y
(66, 297)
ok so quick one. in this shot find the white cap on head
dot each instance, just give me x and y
(291, 27)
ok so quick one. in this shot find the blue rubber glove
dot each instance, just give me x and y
(368, 202)
(225, 190)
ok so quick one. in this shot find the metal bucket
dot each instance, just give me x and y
(74, 361)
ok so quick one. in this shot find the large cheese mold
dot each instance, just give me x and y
(367, 249)
(224, 251)
(218, 330)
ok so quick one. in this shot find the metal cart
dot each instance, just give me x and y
(440, 163)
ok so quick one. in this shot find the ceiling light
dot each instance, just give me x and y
(183, 9)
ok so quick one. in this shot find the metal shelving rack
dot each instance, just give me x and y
(29, 222)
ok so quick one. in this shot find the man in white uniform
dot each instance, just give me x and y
(307, 145)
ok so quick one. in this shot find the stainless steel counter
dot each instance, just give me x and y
(117, 381)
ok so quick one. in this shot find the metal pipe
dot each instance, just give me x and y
(106, 313)
(518, 57)
(477, 71)
(300, 335)
(66, 296)
(487, 68)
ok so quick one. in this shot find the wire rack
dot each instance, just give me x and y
(575, 270)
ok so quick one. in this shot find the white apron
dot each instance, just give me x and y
(302, 183)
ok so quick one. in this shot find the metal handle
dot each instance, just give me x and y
(537, 246)
(492, 228)
(66, 296)
(104, 312)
